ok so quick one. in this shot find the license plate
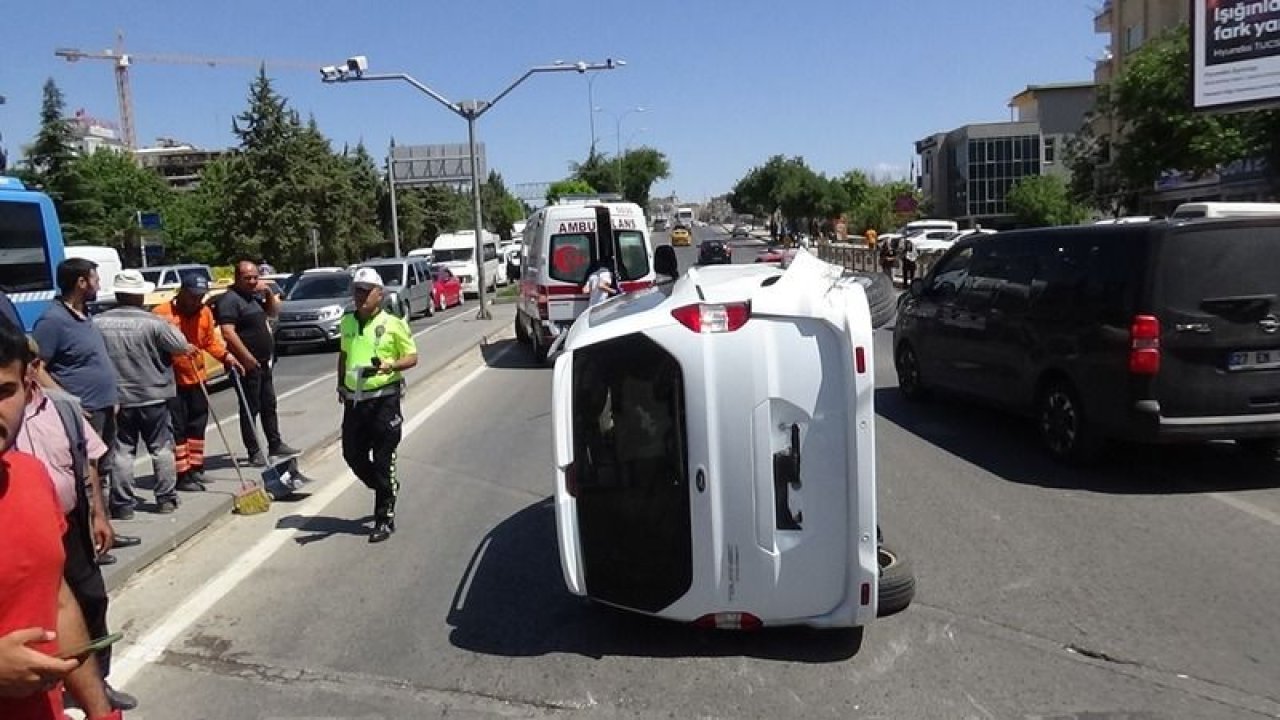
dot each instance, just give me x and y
(1254, 360)
(563, 309)
(294, 334)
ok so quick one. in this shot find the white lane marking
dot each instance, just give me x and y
(151, 646)
(1245, 506)
(235, 417)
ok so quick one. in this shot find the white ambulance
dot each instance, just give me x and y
(562, 243)
(714, 452)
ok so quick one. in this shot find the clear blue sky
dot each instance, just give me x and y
(843, 83)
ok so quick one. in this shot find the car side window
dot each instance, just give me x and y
(1061, 269)
(951, 274)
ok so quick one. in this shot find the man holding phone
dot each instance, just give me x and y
(242, 314)
(377, 347)
(38, 613)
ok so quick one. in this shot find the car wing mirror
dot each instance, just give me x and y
(664, 261)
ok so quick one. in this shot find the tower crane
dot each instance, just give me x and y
(123, 60)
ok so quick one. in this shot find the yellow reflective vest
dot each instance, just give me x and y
(384, 335)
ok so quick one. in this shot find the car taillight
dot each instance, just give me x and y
(713, 318)
(860, 360)
(728, 621)
(1144, 345)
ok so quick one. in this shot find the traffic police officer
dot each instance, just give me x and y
(376, 348)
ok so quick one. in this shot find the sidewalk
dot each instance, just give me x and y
(309, 420)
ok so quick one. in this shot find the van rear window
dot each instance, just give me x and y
(634, 260)
(24, 250)
(570, 257)
(1218, 263)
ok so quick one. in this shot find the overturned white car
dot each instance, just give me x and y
(715, 451)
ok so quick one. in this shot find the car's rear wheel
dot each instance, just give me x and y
(897, 586)
(522, 333)
(1065, 429)
(539, 350)
(910, 383)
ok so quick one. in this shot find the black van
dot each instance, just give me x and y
(1153, 332)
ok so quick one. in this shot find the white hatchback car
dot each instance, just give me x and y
(715, 451)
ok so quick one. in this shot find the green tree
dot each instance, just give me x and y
(111, 191)
(501, 209)
(1149, 105)
(51, 163)
(1044, 200)
(570, 186)
(641, 168)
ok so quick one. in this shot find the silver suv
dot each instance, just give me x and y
(407, 284)
(313, 308)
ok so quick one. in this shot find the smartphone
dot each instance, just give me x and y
(93, 646)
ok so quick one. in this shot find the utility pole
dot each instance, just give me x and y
(315, 247)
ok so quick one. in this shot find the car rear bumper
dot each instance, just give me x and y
(291, 334)
(1152, 426)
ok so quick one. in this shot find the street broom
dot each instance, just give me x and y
(251, 499)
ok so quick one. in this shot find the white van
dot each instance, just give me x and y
(108, 261)
(561, 244)
(1189, 211)
(714, 451)
(456, 251)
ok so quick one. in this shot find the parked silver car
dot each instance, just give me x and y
(406, 284)
(313, 308)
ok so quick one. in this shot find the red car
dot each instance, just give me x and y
(446, 288)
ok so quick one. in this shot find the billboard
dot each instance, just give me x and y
(1235, 54)
(434, 164)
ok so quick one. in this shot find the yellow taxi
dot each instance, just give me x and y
(680, 235)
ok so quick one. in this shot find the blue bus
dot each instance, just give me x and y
(30, 248)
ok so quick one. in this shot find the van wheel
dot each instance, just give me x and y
(1064, 428)
(406, 310)
(910, 383)
(539, 350)
(522, 335)
(897, 586)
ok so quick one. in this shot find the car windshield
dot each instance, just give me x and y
(321, 287)
(391, 273)
(455, 255)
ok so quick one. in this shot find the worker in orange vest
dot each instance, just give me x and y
(189, 408)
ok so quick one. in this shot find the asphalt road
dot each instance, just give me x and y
(1145, 588)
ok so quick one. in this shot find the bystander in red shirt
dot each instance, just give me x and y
(31, 519)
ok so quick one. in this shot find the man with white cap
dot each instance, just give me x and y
(141, 346)
(377, 347)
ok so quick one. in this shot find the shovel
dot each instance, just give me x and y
(278, 477)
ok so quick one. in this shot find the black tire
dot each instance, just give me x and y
(897, 586)
(910, 381)
(539, 350)
(881, 298)
(406, 310)
(1064, 426)
(522, 333)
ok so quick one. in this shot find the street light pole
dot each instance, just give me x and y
(618, 142)
(391, 181)
(591, 108)
(354, 70)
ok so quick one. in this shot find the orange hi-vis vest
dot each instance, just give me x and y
(199, 330)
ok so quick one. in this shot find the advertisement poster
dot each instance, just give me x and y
(1235, 53)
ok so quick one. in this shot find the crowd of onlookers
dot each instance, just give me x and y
(77, 398)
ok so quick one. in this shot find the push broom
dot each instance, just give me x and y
(251, 498)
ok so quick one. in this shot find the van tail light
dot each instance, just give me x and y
(571, 479)
(728, 621)
(1144, 345)
(713, 317)
(866, 594)
(860, 360)
(541, 297)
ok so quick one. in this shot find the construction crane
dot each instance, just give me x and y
(123, 60)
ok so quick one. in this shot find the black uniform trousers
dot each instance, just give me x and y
(84, 577)
(370, 435)
(260, 395)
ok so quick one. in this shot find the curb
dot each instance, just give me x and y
(118, 575)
